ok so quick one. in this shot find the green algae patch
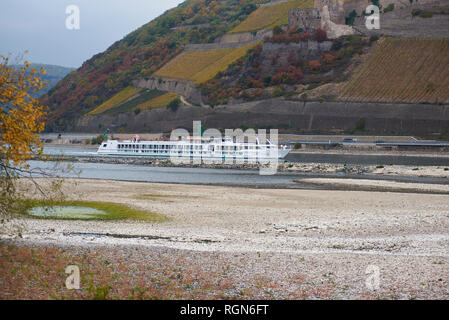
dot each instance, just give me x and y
(86, 210)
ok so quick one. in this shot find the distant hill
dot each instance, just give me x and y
(53, 75)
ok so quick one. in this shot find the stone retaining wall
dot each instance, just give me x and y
(424, 120)
(217, 46)
(245, 36)
(305, 50)
(182, 87)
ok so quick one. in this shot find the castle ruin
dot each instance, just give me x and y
(306, 20)
(328, 15)
(335, 8)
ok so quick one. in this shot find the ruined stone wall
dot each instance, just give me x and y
(334, 30)
(281, 52)
(184, 88)
(306, 19)
(328, 15)
(335, 8)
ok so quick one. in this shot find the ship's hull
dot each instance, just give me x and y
(174, 150)
(281, 155)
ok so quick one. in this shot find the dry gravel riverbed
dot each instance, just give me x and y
(270, 242)
(376, 185)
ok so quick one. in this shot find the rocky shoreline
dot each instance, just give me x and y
(283, 166)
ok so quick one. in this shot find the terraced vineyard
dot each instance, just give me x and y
(157, 102)
(134, 98)
(201, 65)
(117, 99)
(403, 70)
(267, 17)
(145, 96)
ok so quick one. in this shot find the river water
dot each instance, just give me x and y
(143, 173)
(229, 177)
(360, 159)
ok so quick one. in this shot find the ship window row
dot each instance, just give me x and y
(143, 146)
(191, 147)
(160, 147)
(239, 147)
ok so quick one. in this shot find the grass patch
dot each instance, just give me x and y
(113, 211)
(389, 8)
(268, 17)
(422, 13)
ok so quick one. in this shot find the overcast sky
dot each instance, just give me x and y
(39, 26)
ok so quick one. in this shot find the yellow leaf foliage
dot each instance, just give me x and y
(21, 115)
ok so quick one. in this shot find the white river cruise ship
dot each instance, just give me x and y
(197, 147)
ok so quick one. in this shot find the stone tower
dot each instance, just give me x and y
(335, 7)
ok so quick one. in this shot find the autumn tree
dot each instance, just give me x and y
(21, 121)
(315, 65)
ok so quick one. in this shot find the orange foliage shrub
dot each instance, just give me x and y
(327, 58)
(315, 65)
(21, 115)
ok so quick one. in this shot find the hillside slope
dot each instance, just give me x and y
(232, 51)
(140, 54)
